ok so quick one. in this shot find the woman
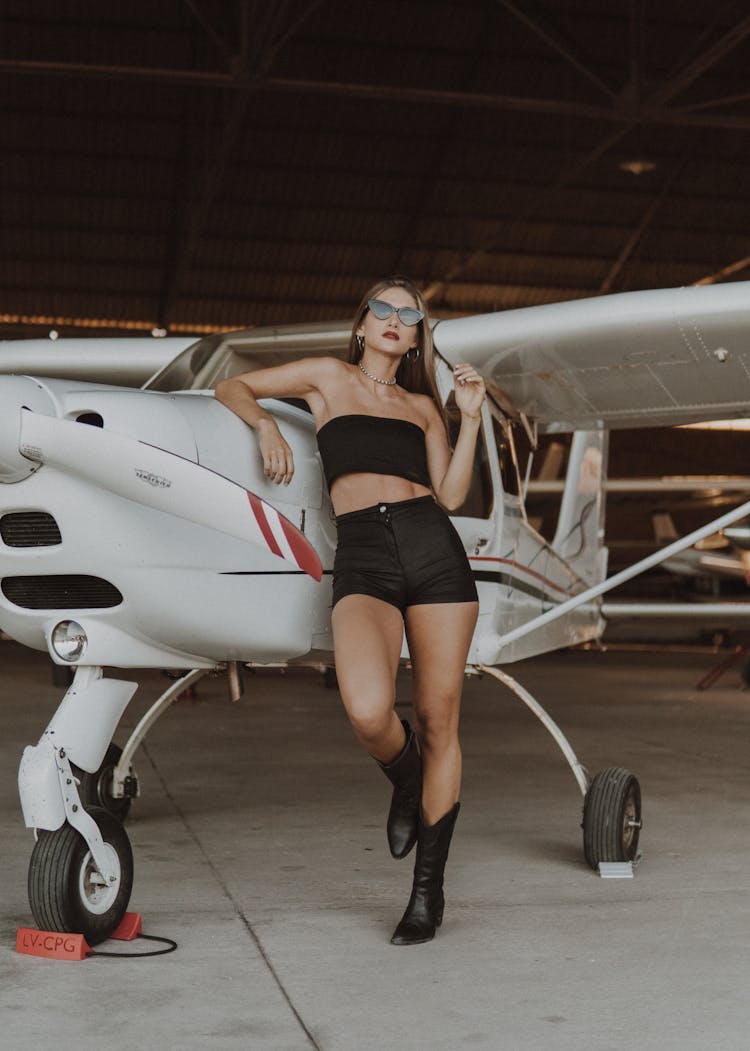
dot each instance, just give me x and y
(399, 562)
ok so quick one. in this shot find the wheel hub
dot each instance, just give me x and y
(97, 894)
(630, 822)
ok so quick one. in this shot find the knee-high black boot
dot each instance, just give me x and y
(424, 913)
(405, 774)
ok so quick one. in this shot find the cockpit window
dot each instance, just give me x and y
(545, 466)
(544, 498)
(203, 365)
(508, 472)
(180, 373)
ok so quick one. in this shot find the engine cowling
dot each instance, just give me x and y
(17, 393)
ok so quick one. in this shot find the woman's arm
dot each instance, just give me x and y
(451, 474)
(297, 379)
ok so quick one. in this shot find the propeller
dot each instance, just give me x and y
(166, 482)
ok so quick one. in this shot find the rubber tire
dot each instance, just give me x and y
(614, 796)
(54, 872)
(94, 789)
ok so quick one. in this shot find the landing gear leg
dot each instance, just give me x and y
(611, 802)
(81, 869)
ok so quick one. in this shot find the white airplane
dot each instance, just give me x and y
(724, 554)
(137, 530)
(127, 360)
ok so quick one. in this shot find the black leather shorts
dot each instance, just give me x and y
(407, 554)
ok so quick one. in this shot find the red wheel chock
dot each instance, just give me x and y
(54, 945)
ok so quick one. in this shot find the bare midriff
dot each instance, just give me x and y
(352, 492)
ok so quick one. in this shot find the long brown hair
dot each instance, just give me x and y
(415, 375)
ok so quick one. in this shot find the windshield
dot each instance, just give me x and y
(181, 372)
(227, 354)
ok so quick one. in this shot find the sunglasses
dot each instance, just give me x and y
(407, 315)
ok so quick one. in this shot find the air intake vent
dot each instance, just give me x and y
(61, 591)
(29, 529)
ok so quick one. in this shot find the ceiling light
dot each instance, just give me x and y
(716, 425)
(637, 166)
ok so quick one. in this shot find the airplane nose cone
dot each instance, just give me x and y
(16, 393)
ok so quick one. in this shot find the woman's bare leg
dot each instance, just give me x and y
(367, 638)
(439, 637)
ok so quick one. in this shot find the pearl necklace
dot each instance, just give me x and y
(376, 379)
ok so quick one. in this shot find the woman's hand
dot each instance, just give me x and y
(278, 461)
(470, 390)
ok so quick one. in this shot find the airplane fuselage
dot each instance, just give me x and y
(150, 589)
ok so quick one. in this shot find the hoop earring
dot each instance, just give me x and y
(360, 345)
(413, 353)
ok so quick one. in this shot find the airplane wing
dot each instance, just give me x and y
(636, 359)
(165, 482)
(122, 360)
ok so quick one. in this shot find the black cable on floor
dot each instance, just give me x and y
(171, 946)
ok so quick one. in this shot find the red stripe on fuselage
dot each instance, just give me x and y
(304, 553)
(302, 549)
(260, 517)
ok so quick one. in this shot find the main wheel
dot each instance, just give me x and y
(95, 789)
(612, 817)
(66, 891)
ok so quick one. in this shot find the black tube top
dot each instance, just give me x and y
(359, 443)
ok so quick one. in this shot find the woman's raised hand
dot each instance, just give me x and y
(278, 461)
(470, 389)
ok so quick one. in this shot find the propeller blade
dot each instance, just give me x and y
(166, 482)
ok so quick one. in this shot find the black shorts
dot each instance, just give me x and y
(407, 554)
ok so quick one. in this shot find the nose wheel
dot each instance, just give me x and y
(612, 817)
(66, 890)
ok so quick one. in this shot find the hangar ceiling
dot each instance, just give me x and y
(194, 165)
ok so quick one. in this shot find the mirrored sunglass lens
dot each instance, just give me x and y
(380, 309)
(383, 310)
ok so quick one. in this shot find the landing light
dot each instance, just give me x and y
(68, 640)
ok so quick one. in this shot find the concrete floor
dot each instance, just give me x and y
(259, 846)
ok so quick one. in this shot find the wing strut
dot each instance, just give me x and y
(656, 559)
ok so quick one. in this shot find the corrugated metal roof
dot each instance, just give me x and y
(228, 164)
